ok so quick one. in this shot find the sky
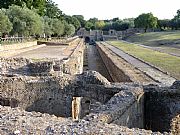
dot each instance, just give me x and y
(108, 9)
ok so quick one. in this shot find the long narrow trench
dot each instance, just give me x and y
(93, 61)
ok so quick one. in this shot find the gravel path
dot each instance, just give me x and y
(154, 73)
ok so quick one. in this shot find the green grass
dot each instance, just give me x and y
(166, 62)
(157, 38)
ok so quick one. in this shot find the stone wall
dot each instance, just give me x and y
(72, 65)
(11, 66)
(107, 103)
(162, 107)
(64, 41)
(117, 75)
(51, 95)
(17, 46)
(119, 69)
(126, 108)
(175, 125)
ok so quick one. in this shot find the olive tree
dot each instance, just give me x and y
(69, 29)
(57, 27)
(25, 22)
(48, 25)
(5, 24)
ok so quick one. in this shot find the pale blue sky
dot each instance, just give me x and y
(107, 9)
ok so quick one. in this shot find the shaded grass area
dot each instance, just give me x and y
(157, 39)
(166, 62)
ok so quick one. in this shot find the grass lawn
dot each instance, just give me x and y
(157, 39)
(166, 62)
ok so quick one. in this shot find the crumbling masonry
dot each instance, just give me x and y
(57, 97)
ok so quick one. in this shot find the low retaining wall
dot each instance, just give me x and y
(72, 65)
(17, 46)
(119, 69)
(66, 42)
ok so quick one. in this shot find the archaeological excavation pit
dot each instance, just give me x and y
(146, 107)
(52, 95)
(60, 88)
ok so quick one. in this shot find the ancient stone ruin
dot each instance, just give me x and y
(55, 97)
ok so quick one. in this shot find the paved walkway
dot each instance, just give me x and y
(154, 73)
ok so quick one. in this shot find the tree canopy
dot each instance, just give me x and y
(37, 4)
(81, 20)
(146, 21)
(175, 22)
(57, 27)
(69, 29)
(73, 20)
(25, 21)
(52, 10)
(99, 24)
(39, 17)
(5, 24)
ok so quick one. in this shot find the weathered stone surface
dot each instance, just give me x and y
(40, 99)
(117, 105)
(19, 121)
(22, 66)
(119, 69)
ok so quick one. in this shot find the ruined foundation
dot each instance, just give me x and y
(57, 97)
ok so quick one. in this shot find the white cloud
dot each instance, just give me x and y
(106, 9)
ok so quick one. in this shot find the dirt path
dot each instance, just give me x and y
(46, 52)
(154, 73)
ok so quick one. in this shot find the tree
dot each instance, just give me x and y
(5, 24)
(52, 10)
(37, 4)
(81, 20)
(72, 30)
(48, 26)
(6, 3)
(146, 21)
(93, 20)
(175, 22)
(130, 21)
(107, 26)
(116, 26)
(89, 26)
(115, 19)
(73, 20)
(124, 26)
(69, 29)
(163, 24)
(99, 25)
(25, 22)
(57, 27)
